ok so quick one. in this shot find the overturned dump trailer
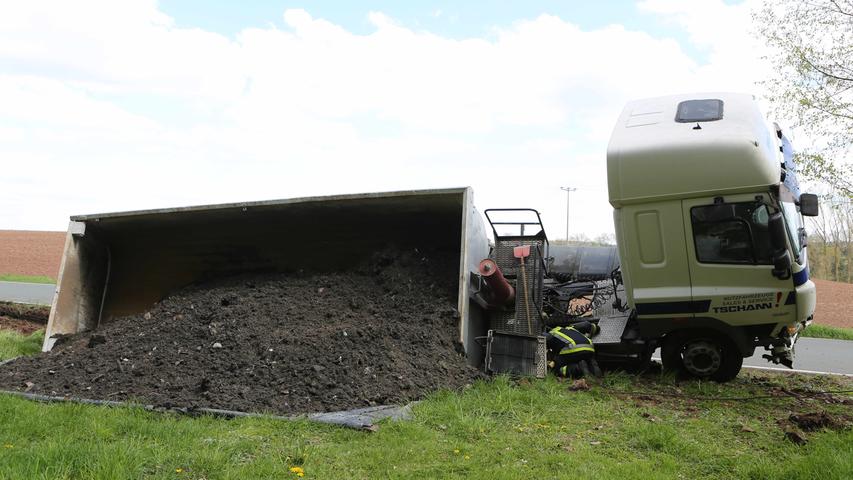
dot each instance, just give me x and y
(117, 264)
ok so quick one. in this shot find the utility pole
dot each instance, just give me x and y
(568, 191)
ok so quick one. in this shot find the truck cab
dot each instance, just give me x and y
(709, 229)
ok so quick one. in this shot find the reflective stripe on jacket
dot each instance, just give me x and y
(567, 340)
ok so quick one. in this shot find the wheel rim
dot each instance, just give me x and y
(702, 358)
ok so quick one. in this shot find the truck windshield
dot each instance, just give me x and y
(794, 223)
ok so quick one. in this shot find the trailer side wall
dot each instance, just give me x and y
(120, 264)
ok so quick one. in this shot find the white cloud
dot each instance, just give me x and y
(109, 106)
(116, 46)
(726, 32)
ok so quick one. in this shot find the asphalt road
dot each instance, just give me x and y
(821, 355)
(37, 293)
(811, 355)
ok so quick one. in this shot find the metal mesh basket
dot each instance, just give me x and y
(505, 257)
(526, 317)
(515, 354)
(528, 296)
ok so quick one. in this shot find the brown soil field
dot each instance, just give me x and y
(31, 253)
(834, 303)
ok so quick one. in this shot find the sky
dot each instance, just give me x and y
(112, 106)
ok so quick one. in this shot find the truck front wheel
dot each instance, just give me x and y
(702, 354)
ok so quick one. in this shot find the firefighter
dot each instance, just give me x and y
(571, 351)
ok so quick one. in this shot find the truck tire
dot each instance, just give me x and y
(702, 354)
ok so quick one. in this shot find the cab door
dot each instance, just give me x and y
(730, 261)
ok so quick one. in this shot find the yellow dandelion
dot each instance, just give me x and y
(456, 451)
(298, 471)
(467, 457)
(179, 470)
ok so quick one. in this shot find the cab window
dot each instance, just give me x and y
(795, 226)
(732, 233)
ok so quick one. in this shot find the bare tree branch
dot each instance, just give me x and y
(841, 10)
(823, 71)
(812, 81)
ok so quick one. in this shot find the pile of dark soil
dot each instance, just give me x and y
(809, 422)
(797, 424)
(384, 333)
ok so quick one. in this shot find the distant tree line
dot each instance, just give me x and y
(830, 242)
(602, 240)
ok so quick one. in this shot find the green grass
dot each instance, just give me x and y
(13, 277)
(14, 344)
(493, 430)
(824, 331)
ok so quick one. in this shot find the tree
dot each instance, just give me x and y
(812, 84)
(582, 239)
(830, 243)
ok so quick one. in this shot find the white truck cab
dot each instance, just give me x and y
(711, 257)
(708, 220)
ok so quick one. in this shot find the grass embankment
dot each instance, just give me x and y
(494, 430)
(12, 277)
(825, 331)
(14, 344)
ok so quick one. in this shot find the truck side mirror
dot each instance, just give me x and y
(782, 265)
(778, 236)
(809, 205)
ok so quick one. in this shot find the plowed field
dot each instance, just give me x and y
(834, 304)
(31, 253)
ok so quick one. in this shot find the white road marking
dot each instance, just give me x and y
(794, 370)
(785, 369)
